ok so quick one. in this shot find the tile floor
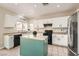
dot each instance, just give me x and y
(52, 51)
(10, 52)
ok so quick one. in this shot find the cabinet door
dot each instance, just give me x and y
(60, 22)
(55, 39)
(63, 40)
(60, 40)
(8, 42)
(9, 21)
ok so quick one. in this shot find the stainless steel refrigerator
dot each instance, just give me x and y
(73, 35)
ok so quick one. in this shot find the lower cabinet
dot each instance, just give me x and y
(33, 47)
(11, 41)
(60, 39)
(8, 41)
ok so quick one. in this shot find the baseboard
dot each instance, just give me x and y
(1, 48)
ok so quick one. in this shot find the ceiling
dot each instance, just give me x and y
(38, 10)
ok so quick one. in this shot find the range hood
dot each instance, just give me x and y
(48, 25)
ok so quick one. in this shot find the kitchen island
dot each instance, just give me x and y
(33, 46)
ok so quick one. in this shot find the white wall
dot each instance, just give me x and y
(1, 30)
(3, 12)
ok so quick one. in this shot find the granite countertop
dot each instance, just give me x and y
(37, 37)
(59, 32)
(14, 33)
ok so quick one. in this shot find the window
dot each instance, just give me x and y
(31, 27)
(24, 27)
(19, 26)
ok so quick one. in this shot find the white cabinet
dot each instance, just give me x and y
(32, 27)
(21, 26)
(60, 39)
(10, 21)
(8, 41)
(60, 22)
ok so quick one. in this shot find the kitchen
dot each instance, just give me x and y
(17, 25)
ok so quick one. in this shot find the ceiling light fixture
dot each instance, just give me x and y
(16, 4)
(35, 5)
(58, 6)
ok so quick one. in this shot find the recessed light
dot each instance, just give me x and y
(58, 6)
(35, 5)
(16, 4)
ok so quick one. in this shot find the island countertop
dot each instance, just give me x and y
(38, 37)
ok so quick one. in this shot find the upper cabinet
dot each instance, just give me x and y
(59, 22)
(10, 21)
(25, 26)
